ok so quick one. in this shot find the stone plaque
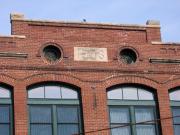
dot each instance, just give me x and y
(90, 54)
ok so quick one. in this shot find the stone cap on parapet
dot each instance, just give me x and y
(21, 17)
(13, 36)
(165, 43)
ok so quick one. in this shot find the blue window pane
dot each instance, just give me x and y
(40, 114)
(119, 115)
(67, 114)
(145, 130)
(4, 129)
(176, 129)
(40, 129)
(4, 114)
(176, 112)
(67, 129)
(144, 114)
(120, 130)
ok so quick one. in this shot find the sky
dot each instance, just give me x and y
(98, 11)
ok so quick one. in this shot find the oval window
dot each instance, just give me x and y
(52, 53)
(128, 56)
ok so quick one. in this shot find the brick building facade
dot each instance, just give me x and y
(93, 60)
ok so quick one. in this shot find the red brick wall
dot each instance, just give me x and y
(93, 78)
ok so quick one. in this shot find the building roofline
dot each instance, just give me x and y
(149, 24)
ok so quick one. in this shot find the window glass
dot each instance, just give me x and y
(67, 129)
(52, 53)
(175, 95)
(176, 129)
(4, 129)
(68, 93)
(176, 112)
(4, 114)
(36, 93)
(4, 93)
(119, 115)
(145, 95)
(40, 129)
(120, 130)
(49, 116)
(40, 114)
(67, 114)
(145, 130)
(52, 92)
(144, 114)
(130, 93)
(115, 94)
(125, 113)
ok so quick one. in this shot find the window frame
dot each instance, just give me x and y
(132, 105)
(137, 93)
(54, 104)
(172, 91)
(61, 89)
(175, 104)
(4, 101)
(29, 123)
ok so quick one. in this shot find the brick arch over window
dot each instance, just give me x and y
(7, 80)
(135, 80)
(173, 84)
(50, 77)
(6, 86)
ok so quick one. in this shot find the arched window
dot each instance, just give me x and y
(175, 104)
(53, 110)
(130, 106)
(5, 112)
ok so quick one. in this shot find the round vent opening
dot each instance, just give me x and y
(52, 53)
(128, 56)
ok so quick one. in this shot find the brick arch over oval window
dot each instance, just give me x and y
(132, 103)
(54, 109)
(6, 110)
